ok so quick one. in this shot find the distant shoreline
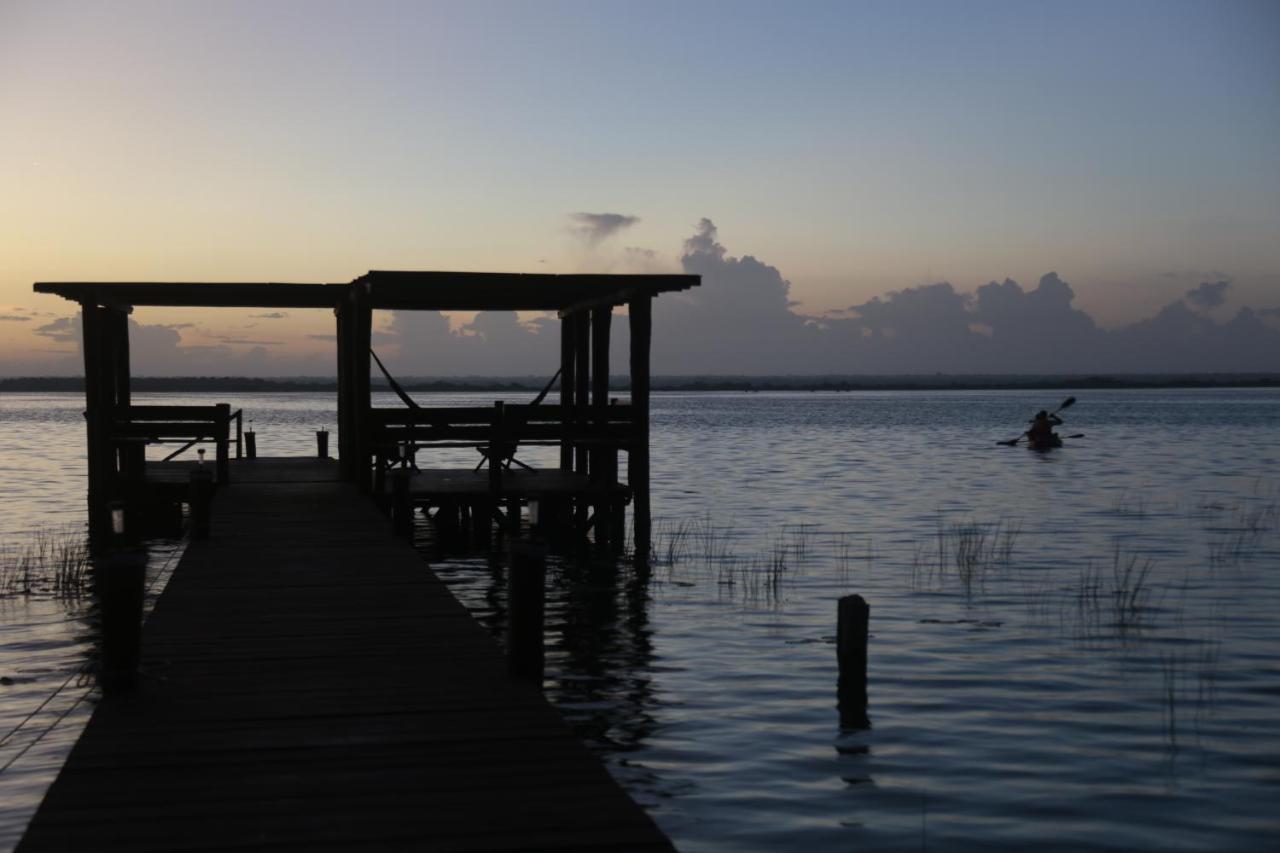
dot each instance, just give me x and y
(236, 384)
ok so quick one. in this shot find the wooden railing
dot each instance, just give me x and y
(396, 435)
(136, 426)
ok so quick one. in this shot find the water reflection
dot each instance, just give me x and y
(599, 652)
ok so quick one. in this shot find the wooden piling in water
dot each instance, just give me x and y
(852, 628)
(526, 579)
(401, 507)
(199, 496)
(118, 582)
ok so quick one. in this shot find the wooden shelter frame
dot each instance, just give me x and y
(583, 303)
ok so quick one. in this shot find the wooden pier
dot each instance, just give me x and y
(586, 426)
(309, 684)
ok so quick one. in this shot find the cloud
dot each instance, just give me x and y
(14, 318)
(1208, 295)
(248, 341)
(271, 315)
(593, 228)
(64, 330)
(743, 320)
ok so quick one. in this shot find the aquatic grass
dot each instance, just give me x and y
(966, 551)
(52, 562)
(1130, 504)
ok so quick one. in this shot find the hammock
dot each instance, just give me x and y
(409, 401)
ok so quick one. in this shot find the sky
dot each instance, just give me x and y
(865, 187)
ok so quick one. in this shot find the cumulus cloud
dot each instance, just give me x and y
(14, 318)
(63, 330)
(594, 228)
(743, 320)
(1208, 295)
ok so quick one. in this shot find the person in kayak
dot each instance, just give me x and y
(1041, 431)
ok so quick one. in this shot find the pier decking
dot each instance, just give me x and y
(310, 684)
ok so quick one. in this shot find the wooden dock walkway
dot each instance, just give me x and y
(312, 685)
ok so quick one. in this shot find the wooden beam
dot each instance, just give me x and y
(641, 322)
(606, 300)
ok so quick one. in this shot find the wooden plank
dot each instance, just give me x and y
(314, 686)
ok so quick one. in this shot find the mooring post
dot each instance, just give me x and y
(200, 495)
(322, 444)
(853, 615)
(401, 508)
(527, 573)
(118, 582)
(251, 444)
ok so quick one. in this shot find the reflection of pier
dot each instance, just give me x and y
(310, 683)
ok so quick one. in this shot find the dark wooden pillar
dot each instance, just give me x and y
(98, 398)
(568, 378)
(128, 459)
(345, 451)
(604, 458)
(361, 339)
(582, 381)
(641, 321)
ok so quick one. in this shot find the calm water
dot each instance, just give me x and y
(1073, 649)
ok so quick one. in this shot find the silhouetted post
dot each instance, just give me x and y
(640, 311)
(322, 444)
(497, 440)
(603, 458)
(251, 445)
(222, 446)
(527, 574)
(118, 581)
(853, 615)
(568, 379)
(200, 495)
(361, 336)
(581, 382)
(97, 421)
(401, 507)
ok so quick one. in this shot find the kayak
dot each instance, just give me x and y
(1048, 443)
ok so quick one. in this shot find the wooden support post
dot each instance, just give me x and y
(582, 383)
(362, 319)
(568, 379)
(97, 414)
(322, 444)
(853, 616)
(222, 444)
(603, 465)
(401, 506)
(127, 461)
(641, 321)
(481, 522)
(118, 580)
(344, 431)
(527, 572)
(251, 445)
(497, 440)
(200, 496)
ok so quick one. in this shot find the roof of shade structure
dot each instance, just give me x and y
(437, 291)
